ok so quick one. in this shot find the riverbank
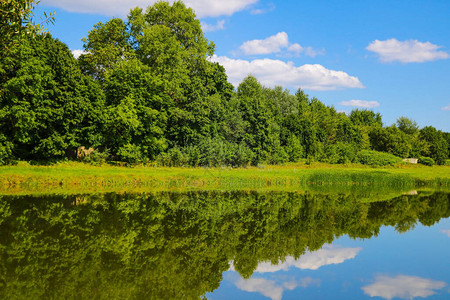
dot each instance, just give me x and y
(76, 176)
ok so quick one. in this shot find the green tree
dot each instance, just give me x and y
(406, 125)
(169, 39)
(16, 22)
(256, 116)
(106, 45)
(437, 147)
(391, 140)
(137, 109)
(47, 105)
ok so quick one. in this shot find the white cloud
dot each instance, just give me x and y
(220, 25)
(308, 281)
(276, 44)
(446, 107)
(263, 286)
(311, 260)
(269, 45)
(276, 72)
(272, 289)
(76, 53)
(202, 8)
(259, 11)
(411, 51)
(446, 231)
(405, 287)
(360, 103)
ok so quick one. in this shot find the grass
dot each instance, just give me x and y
(80, 177)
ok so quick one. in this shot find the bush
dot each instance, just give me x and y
(130, 153)
(375, 158)
(97, 157)
(174, 157)
(427, 161)
(340, 153)
(5, 152)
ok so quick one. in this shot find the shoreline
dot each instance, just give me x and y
(76, 176)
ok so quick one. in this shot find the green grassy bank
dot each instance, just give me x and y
(79, 177)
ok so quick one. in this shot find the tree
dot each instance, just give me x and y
(47, 105)
(169, 39)
(391, 140)
(256, 116)
(437, 144)
(137, 109)
(106, 44)
(16, 21)
(366, 117)
(406, 125)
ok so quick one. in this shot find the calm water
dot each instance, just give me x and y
(226, 245)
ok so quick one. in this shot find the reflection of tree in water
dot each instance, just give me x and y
(177, 245)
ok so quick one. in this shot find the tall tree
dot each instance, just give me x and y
(47, 105)
(16, 22)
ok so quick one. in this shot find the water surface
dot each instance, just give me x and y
(225, 245)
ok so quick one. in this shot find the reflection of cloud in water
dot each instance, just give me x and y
(312, 260)
(446, 232)
(402, 286)
(270, 288)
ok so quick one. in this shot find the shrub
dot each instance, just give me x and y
(340, 153)
(97, 157)
(427, 161)
(130, 153)
(174, 157)
(375, 158)
(5, 151)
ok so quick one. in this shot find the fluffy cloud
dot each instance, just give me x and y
(276, 72)
(265, 287)
(220, 25)
(446, 107)
(271, 289)
(411, 51)
(405, 287)
(269, 45)
(360, 103)
(76, 53)
(311, 260)
(446, 231)
(203, 8)
(275, 44)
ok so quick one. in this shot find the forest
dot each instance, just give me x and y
(146, 91)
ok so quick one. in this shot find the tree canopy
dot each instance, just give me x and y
(146, 91)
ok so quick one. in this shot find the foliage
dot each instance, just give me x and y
(406, 125)
(437, 147)
(177, 245)
(16, 22)
(375, 158)
(146, 89)
(47, 105)
(427, 161)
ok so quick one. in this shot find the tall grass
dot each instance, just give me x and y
(79, 176)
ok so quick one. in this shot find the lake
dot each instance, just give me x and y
(226, 245)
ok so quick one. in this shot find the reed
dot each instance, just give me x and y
(79, 176)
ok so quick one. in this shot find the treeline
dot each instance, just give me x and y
(145, 91)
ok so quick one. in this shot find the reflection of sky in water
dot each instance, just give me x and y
(401, 286)
(390, 266)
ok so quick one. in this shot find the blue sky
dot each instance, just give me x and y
(389, 56)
